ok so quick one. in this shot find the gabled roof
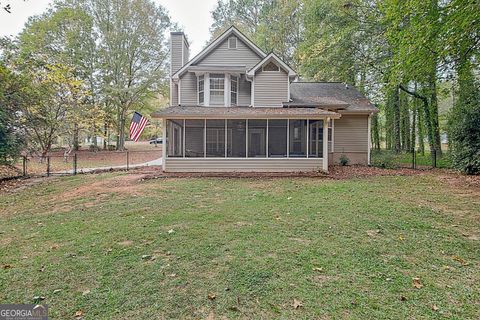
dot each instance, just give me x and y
(330, 95)
(272, 56)
(215, 43)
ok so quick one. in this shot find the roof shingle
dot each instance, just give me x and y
(243, 112)
(332, 95)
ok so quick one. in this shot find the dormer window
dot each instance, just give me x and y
(270, 67)
(232, 43)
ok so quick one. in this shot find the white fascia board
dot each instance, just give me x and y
(272, 56)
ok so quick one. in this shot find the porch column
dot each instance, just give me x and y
(325, 144)
(164, 142)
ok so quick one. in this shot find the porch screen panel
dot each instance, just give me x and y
(257, 138)
(236, 138)
(174, 141)
(298, 138)
(194, 138)
(216, 138)
(277, 138)
(315, 148)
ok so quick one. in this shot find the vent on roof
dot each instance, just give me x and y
(270, 67)
(232, 43)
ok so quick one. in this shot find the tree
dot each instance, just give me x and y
(10, 138)
(64, 36)
(133, 53)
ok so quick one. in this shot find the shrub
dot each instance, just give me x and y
(464, 139)
(344, 160)
(383, 159)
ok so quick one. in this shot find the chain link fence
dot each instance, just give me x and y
(413, 159)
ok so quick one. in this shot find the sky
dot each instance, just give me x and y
(193, 15)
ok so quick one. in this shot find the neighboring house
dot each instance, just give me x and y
(235, 108)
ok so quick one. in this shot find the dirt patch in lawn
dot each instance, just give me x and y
(126, 184)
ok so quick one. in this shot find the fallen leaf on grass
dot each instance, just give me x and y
(171, 231)
(7, 266)
(434, 308)
(212, 296)
(37, 299)
(84, 293)
(148, 257)
(458, 259)
(57, 291)
(297, 304)
(373, 233)
(318, 269)
(79, 314)
(403, 298)
(416, 283)
(42, 268)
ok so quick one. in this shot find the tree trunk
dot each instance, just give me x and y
(76, 144)
(420, 130)
(105, 135)
(434, 115)
(95, 142)
(426, 114)
(413, 136)
(396, 120)
(375, 132)
(121, 131)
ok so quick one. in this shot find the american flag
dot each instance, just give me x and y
(136, 127)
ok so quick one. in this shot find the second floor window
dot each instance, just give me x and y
(233, 90)
(201, 89)
(217, 89)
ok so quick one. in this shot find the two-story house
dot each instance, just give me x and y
(236, 108)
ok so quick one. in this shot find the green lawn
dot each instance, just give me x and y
(121, 248)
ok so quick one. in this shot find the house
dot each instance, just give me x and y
(236, 108)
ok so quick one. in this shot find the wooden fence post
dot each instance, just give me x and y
(48, 166)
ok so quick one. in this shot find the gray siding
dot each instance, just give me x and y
(174, 93)
(241, 165)
(351, 133)
(223, 56)
(270, 88)
(188, 89)
(176, 47)
(186, 52)
(244, 90)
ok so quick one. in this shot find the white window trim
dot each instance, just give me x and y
(230, 90)
(198, 90)
(227, 89)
